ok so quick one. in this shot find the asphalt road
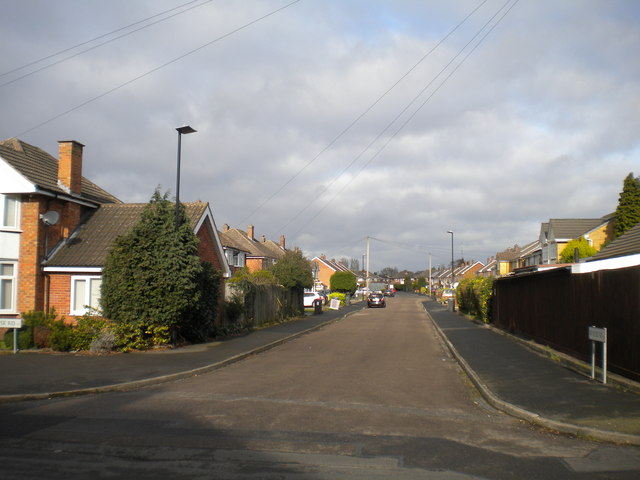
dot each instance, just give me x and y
(374, 395)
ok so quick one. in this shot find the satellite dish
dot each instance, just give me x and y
(50, 218)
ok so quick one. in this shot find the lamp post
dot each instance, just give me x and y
(453, 278)
(184, 130)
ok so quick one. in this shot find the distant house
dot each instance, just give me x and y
(323, 269)
(57, 227)
(488, 270)
(469, 270)
(557, 232)
(243, 250)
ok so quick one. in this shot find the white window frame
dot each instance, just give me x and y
(87, 294)
(3, 207)
(14, 286)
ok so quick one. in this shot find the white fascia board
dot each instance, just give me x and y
(53, 269)
(607, 264)
(11, 181)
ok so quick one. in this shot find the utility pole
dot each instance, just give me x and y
(430, 290)
(366, 278)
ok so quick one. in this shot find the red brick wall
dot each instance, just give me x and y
(30, 280)
(31, 294)
(60, 292)
(254, 264)
(207, 249)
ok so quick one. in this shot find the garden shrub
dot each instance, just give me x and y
(61, 338)
(140, 336)
(25, 338)
(474, 297)
(340, 296)
(88, 328)
(105, 342)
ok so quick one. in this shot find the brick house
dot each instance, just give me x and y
(242, 249)
(323, 269)
(57, 226)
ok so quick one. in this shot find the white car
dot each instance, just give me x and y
(311, 298)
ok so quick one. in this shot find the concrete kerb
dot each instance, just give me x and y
(534, 418)
(135, 384)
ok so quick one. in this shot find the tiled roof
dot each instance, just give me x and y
(332, 264)
(230, 241)
(89, 244)
(255, 248)
(626, 244)
(41, 169)
(571, 228)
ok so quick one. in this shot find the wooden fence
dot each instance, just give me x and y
(265, 304)
(555, 308)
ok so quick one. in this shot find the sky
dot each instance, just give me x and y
(334, 121)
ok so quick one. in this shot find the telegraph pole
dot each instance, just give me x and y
(366, 279)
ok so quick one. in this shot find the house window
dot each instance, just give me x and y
(7, 287)
(85, 294)
(9, 211)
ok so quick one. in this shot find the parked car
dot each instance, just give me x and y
(376, 300)
(311, 298)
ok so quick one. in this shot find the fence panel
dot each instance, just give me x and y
(555, 308)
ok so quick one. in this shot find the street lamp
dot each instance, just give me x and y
(453, 278)
(184, 130)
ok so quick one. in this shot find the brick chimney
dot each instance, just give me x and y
(250, 232)
(263, 239)
(282, 243)
(225, 228)
(70, 165)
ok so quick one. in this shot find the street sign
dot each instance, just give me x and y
(598, 334)
(10, 323)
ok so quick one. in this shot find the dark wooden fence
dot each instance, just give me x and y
(555, 308)
(268, 303)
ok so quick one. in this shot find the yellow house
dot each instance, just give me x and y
(555, 234)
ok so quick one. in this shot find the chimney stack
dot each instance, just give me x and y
(70, 165)
(282, 242)
(250, 232)
(225, 227)
(263, 239)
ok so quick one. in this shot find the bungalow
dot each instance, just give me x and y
(73, 271)
(57, 227)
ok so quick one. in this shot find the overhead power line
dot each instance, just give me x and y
(357, 119)
(160, 67)
(415, 112)
(60, 52)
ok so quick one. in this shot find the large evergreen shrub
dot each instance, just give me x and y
(153, 276)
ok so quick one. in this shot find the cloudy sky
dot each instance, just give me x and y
(330, 121)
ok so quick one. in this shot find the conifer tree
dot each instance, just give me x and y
(628, 210)
(152, 274)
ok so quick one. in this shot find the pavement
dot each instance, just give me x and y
(509, 374)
